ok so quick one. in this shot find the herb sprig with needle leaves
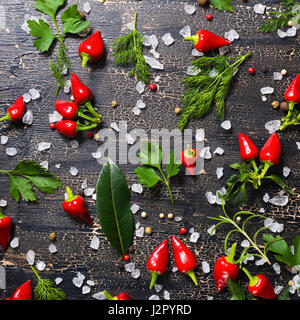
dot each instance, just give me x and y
(210, 85)
(71, 23)
(128, 49)
(279, 19)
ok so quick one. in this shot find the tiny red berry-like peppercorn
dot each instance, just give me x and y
(251, 70)
(152, 87)
(90, 134)
(126, 257)
(182, 230)
(52, 126)
(209, 17)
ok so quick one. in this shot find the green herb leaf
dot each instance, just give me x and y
(147, 176)
(151, 154)
(222, 5)
(172, 166)
(43, 32)
(21, 186)
(72, 21)
(49, 7)
(284, 294)
(280, 182)
(236, 289)
(113, 207)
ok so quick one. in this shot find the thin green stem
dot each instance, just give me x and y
(34, 271)
(166, 182)
(60, 39)
(82, 115)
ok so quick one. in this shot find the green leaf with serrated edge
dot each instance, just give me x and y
(151, 154)
(27, 167)
(280, 182)
(43, 32)
(222, 5)
(24, 188)
(46, 184)
(13, 189)
(113, 207)
(172, 166)
(49, 7)
(147, 176)
(72, 21)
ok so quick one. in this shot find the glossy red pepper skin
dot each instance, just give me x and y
(16, 111)
(260, 286)
(271, 151)
(67, 128)
(24, 292)
(75, 207)
(92, 49)
(81, 93)
(225, 269)
(158, 261)
(205, 41)
(184, 259)
(248, 150)
(188, 159)
(292, 93)
(120, 296)
(6, 226)
(67, 109)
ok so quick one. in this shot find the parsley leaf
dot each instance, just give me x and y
(72, 21)
(147, 176)
(49, 7)
(222, 5)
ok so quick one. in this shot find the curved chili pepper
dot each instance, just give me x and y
(5, 230)
(158, 261)
(92, 49)
(69, 110)
(70, 128)
(15, 111)
(248, 149)
(260, 286)
(205, 41)
(24, 292)
(188, 159)
(185, 260)
(75, 207)
(225, 268)
(120, 296)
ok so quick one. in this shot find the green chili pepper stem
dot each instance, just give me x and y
(153, 279)
(252, 279)
(92, 110)
(189, 152)
(85, 128)
(70, 195)
(193, 277)
(6, 117)
(85, 59)
(2, 215)
(230, 256)
(108, 296)
(194, 38)
(82, 115)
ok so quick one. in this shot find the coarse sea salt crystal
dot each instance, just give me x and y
(210, 232)
(99, 296)
(276, 268)
(14, 242)
(58, 280)
(155, 64)
(226, 125)
(137, 187)
(219, 172)
(266, 90)
(115, 126)
(260, 262)
(194, 237)
(277, 76)
(291, 32)
(52, 248)
(73, 171)
(86, 7)
(281, 34)
(273, 126)
(140, 87)
(268, 222)
(97, 154)
(158, 287)
(200, 135)
(281, 200)
(11, 151)
(155, 53)
(153, 41)
(259, 8)
(28, 117)
(135, 273)
(278, 289)
(30, 257)
(140, 104)
(205, 267)
(130, 25)
(266, 197)
(58, 165)
(55, 116)
(219, 151)
(205, 153)
(3, 203)
(197, 53)
(35, 94)
(136, 111)
(86, 289)
(26, 97)
(231, 35)
(211, 198)
(129, 267)
(167, 39)
(95, 243)
(140, 232)
(245, 243)
(298, 145)
(185, 31)
(167, 295)
(135, 208)
(189, 8)
(146, 42)
(223, 50)
(192, 71)
(40, 265)
(67, 86)
(84, 184)
(3, 139)
(129, 139)
(263, 98)
(156, 79)
(90, 283)
(88, 191)
(42, 146)
(286, 171)
(78, 280)
(154, 297)
(45, 164)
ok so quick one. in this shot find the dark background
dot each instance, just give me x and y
(23, 68)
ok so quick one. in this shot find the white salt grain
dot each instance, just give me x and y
(3, 139)
(30, 257)
(259, 8)
(137, 187)
(26, 97)
(86, 289)
(3, 203)
(140, 87)
(88, 191)
(35, 94)
(135, 273)
(205, 153)
(219, 172)
(279, 200)
(194, 237)
(167, 39)
(95, 243)
(266, 197)
(86, 7)
(209, 230)
(219, 151)
(186, 31)
(200, 135)
(205, 267)
(52, 248)
(99, 296)
(135, 208)
(74, 144)
(129, 267)
(273, 126)
(28, 117)
(192, 71)
(189, 8)
(167, 295)
(11, 151)
(67, 86)
(40, 265)
(14, 242)
(197, 53)
(42, 146)
(58, 280)
(226, 125)
(291, 32)
(245, 243)
(154, 297)
(286, 171)
(97, 154)
(277, 76)
(140, 232)
(73, 171)
(281, 34)
(115, 126)
(266, 90)
(157, 287)
(276, 268)
(55, 117)
(155, 64)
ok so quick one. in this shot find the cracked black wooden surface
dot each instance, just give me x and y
(22, 68)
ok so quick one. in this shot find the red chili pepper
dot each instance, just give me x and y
(205, 41)
(271, 151)
(248, 149)
(158, 261)
(5, 230)
(292, 94)
(120, 296)
(188, 159)
(260, 286)
(15, 111)
(225, 268)
(92, 49)
(70, 128)
(81, 93)
(75, 207)
(24, 292)
(185, 260)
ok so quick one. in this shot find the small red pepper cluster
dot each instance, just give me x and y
(15, 112)
(226, 268)
(71, 111)
(185, 260)
(292, 96)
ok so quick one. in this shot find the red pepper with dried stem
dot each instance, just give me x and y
(188, 159)
(74, 205)
(15, 111)
(71, 128)
(205, 41)
(248, 150)
(225, 268)
(120, 296)
(69, 110)
(24, 292)
(292, 96)
(185, 260)
(6, 226)
(158, 262)
(92, 49)
(260, 286)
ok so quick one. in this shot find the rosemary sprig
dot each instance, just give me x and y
(279, 19)
(210, 85)
(128, 49)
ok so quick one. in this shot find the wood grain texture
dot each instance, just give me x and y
(22, 68)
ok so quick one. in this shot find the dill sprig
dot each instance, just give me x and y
(210, 85)
(236, 289)
(58, 67)
(46, 290)
(279, 19)
(128, 49)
